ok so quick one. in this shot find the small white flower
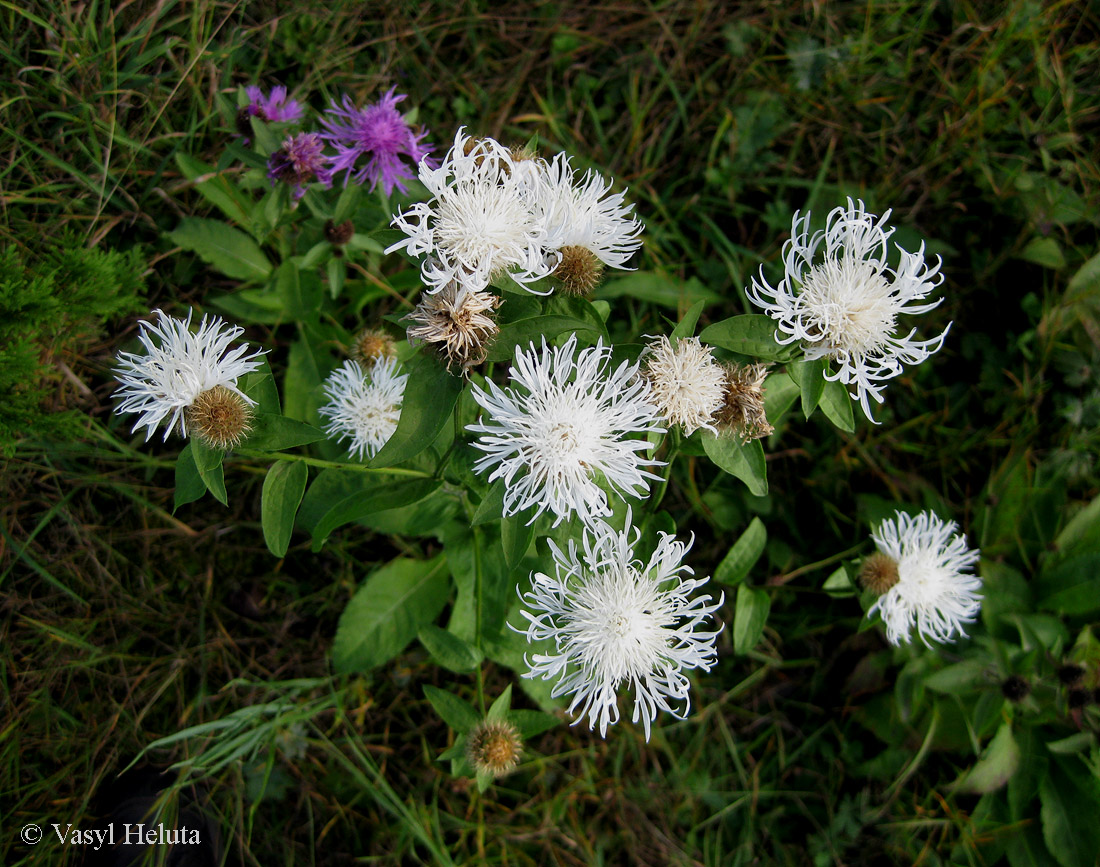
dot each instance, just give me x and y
(581, 213)
(364, 405)
(479, 222)
(615, 620)
(177, 367)
(845, 306)
(930, 591)
(563, 427)
(688, 384)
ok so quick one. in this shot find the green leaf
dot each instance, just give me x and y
(275, 433)
(284, 486)
(1082, 533)
(1070, 802)
(189, 484)
(780, 392)
(229, 250)
(448, 650)
(208, 461)
(215, 187)
(658, 289)
(1072, 587)
(839, 585)
(455, 712)
(998, 763)
(302, 381)
(1075, 743)
(962, 677)
(810, 376)
(752, 334)
(1044, 251)
(524, 332)
(260, 386)
(516, 533)
(387, 611)
(532, 722)
(686, 326)
(744, 461)
(430, 396)
(336, 272)
(376, 498)
(753, 605)
(347, 203)
(836, 403)
(744, 553)
(491, 507)
(289, 287)
(498, 710)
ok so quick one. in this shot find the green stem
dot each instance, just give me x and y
(317, 462)
(477, 615)
(673, 440)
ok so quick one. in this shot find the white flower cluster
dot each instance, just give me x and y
(493, 212)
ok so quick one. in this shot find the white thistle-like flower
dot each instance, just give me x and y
(688, 384)
(585, 221)
(479, 222)
(177, 366)
(615, 620)
(845, 306)
(364, 405)
(561, 427)
(928, 588)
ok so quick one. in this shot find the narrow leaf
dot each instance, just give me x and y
(284, 486)
(744, 553)
(753, 605)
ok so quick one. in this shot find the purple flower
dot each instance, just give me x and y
(378, 132)
(299, 161)
(274, 108)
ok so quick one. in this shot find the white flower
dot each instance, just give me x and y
(581, 213)
(615, 620)
(845, 306)
(177, 367)
(930, 591)
(688, 384)
(364, 405)
(563, 427)
(479, 222)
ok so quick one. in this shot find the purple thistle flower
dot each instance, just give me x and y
(299, 161)
(378, 132)
(274, 108)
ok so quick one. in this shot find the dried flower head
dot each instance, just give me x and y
(618, 621)
(219, 417)
(931, 592)
(688, 385)
(372, 344)
(378, 134)
(494, 747)
(845, 305)
(560, 429)
(1070, 674)
(742, 411)
(338, 235)
(178, 366)
(458, 322)
(1015, 688)
(364, 405)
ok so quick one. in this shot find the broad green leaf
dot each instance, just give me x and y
(836, 403)
(1070, 803)
(336, 272)
(522, 333)
(532, 722)
(491, 507)
(470, 549)
(387, 611)
(1044, 251)
(229, 250)
(347, 203)
(377, 498)
(998, 763)
(208, 461)
(260, 386)
(686, 326)
(1072, 587)
(744, 461)
(658, 289)
(216, 188)
(454, 711)
(430, 396)
(1075, 743)
(275, 433)
(283, 488)
(810, 376)
(839, 584)
(753, 605)
(1082, 533)
(752, 334)
(261, 306)
(744, 553)
(959, 678)
(780, 392)
(302, 381)
(501, 705)
(448, 650)
(516, 533)
(189, 484)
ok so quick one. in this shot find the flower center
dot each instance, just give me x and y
(850, 304)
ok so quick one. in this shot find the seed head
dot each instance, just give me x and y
(371, 345)
(1015, 688)
(494, 747)
(458, 322)
(579, 270)
(879, 573)
(742, 411)
(339, 235)
(1070, 674)
(219, 417)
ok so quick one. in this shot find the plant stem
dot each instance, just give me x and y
(317, 462)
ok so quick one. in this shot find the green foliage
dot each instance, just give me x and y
(52, 305)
